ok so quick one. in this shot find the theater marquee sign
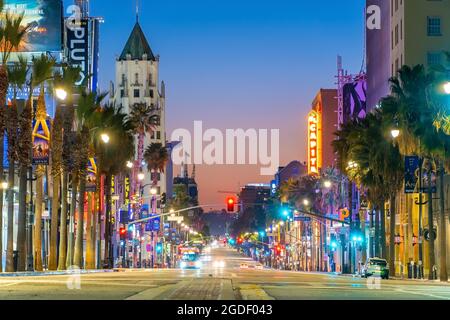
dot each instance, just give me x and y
(314, 148)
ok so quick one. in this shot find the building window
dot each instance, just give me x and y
(156, 135)
(396, 35)
(136, 78)
(434, 58)
(151, 94)
(122, 93)
(434, 26)
(137, 93)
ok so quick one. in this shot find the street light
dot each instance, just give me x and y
(130, 165)
(153, 191)
(61, 94)
(141, 176)
(4, 185)
(327, 184)
(447, 87)
(306, 202)
(395, 133)
(105, 138)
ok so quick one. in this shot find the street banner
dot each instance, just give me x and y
(91, 178)
(78, 47)
(144, 211)
(412, 166)
(41, 142)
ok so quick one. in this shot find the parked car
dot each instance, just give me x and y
(376, 267)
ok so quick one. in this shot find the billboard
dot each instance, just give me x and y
(77, 43)
(44, 18)
(355, 99)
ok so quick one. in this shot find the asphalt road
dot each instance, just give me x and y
(214, 282)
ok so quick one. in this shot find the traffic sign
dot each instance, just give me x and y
(303, 219)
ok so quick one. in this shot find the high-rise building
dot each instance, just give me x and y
(321, 128)
(409, 33)
(378, 52)
(137, 82)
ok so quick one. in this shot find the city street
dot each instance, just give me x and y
(215, 283)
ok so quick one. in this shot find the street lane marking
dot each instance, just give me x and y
(254, 292)
(423, 294)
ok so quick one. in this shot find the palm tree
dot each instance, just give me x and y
(86, 116)
(12, 34)
(112, 159)
(42, 72)
(66, 81)
(17, 78)
(156, 157)
(144, 118)
(412, 106)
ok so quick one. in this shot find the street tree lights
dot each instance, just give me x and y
(105, 138)
(61, 94)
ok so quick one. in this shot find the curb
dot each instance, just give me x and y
(51, 273)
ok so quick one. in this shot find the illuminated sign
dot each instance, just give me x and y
(314, 148)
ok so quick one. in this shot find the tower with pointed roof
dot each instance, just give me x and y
(137, 82)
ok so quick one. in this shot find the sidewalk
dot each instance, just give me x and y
(51, 273)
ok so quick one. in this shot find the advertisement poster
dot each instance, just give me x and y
(411, 174)
(44, 18)
(91, 178)
(41, 143)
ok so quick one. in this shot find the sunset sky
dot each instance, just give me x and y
(239, 64)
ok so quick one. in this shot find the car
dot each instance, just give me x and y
(259, 267)
(376, 267)
(191, 260)
(244, 266)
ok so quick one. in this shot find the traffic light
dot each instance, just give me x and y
(231, 202)
(278, 250)
(163, 199)
(240, 240)
(123, 233)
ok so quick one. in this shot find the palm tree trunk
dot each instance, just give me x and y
(38, 220)
(431, 253)
(78, 256)
(89, 234)
(443, 275)
(371, 239)
(2, 139)
(63, 225)
(108, 246)
(383, 231)
(53, 259)
(377, 232)
(11, 182)
(70, 242)
(10, 235)
(22, 219)
(392, 226)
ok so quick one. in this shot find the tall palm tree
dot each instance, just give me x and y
(156, 157)
(86, 123)
(66, 80)
(144, 119)
(112, 159)
(411, 105)
(17, 79)
(12, 34)
(42, 72)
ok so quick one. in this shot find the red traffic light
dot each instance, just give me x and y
(230, 204)
(122, 233)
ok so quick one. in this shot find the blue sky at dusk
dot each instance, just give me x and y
(239, 64)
